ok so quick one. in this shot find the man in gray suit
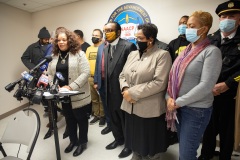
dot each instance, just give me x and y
(115, 56)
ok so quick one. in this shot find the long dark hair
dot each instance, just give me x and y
(74, 45)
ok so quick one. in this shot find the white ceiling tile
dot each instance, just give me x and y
(4, 1)
(23, 4)
(58, 3)
(45, 1)
(36, 5)
(39, 8)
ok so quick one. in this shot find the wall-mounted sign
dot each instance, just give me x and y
(129, 16)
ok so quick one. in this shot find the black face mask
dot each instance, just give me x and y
(142, 46)
(95, 40)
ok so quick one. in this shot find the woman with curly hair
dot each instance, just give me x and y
(72, 63)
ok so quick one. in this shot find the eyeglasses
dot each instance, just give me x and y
(108, 30)
(98, 36)
(139, 38)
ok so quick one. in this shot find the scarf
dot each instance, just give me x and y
(177, 73)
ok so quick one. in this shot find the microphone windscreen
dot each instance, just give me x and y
(27, 76)
(60, 76)
(43, 80)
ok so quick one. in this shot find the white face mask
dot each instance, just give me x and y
(191, 34)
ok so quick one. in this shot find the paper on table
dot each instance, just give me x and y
(46, 94)
(60, 93)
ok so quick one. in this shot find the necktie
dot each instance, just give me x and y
(225, 39)
(112, 50)
(102, 66)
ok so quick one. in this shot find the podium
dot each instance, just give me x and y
(53, 99)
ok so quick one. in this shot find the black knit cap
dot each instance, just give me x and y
(229, 6)
(43, 33)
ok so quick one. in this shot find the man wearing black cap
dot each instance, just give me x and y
(227, 38)
(36, 52)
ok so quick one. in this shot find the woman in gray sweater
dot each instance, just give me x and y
(191, 80)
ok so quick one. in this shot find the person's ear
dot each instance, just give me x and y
(206, 28)
(239, 19)
(150, 40)
(118, 33)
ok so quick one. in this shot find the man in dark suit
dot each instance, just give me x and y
(115, 56)
(99, 84)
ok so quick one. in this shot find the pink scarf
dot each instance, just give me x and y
(176, 76)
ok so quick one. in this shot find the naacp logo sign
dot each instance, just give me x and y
(129, 16)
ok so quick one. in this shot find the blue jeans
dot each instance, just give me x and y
(192, 124)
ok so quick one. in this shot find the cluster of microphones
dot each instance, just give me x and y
(32, 85)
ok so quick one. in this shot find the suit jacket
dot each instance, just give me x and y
(113, 68)
(147, 79)
(78, 73)
(98, 67)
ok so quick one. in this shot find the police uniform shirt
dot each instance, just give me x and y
(229, 37)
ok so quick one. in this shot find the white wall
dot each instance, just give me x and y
(19, 28)
(15, 35)
(90, 14)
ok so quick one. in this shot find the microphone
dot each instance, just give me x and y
(11, 86)
(43, 67)
(42, 84)
(43, 81)
(46, 59)
(58, 77)
(27, 76)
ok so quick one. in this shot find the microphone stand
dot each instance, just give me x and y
(53, 99)
(52, 106)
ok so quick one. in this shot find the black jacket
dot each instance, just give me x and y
(112, 70)
(231, 60)
(33, 55)
(176, 46)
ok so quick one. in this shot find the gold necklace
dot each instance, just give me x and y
(63, 59)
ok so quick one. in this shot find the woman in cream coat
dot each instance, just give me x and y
(143, 82)
(74, 67)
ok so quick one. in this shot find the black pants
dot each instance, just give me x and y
(222, 123)
(117, 121)
(76, 118)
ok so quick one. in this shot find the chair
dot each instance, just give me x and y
(22, 129)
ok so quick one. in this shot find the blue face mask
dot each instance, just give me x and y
(182, 29)
(227, 25)
(191, 35)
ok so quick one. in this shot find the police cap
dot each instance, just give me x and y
(229, 6)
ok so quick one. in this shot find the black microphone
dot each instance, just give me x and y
(11, 86)
(46, 59)
(58, 77)
(25, 76)
(20, 92)
(42, 84)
